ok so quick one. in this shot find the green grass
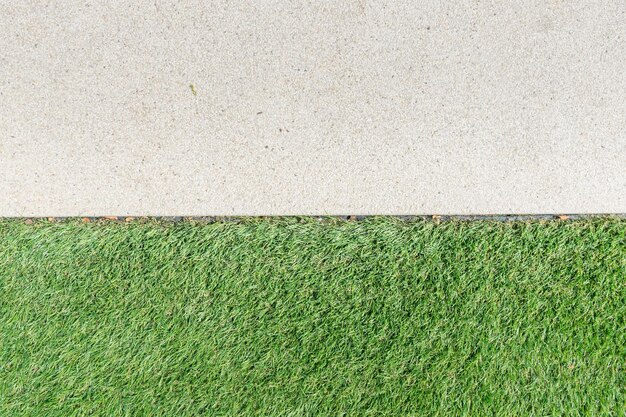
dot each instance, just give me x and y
(301, 317)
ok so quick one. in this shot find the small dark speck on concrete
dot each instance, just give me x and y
(193, 89)
(259, 112)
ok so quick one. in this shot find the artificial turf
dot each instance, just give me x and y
(306, 317)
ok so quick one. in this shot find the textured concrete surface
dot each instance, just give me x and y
(312, 107)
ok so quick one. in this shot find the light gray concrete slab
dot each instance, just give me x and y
(136, 107)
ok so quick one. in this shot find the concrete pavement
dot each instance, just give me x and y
(299, 107)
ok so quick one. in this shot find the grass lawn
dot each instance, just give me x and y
(304, 317)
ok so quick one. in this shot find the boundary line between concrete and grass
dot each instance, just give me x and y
(434, 218)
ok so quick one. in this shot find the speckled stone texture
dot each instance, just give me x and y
(312, 107)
